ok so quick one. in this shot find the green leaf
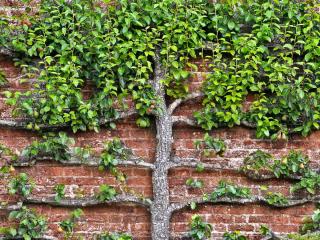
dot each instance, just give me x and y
(231, 25)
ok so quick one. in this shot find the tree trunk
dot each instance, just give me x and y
(160, 214)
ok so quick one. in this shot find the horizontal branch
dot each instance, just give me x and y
(86, 202)
(22, 124)
(192, 122)
(179, 101)
(44, 237)
(92, 162)
(267, 176)
(8, 207)
(291, 202)
(177, 162)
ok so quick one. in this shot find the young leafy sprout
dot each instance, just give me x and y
(194, 183)
(199, 230)
(68, 225)
(106, 193)
(59, 192)
(113, 151)
(236, 235)
(3, 80)
(21, 184)
(210, 145)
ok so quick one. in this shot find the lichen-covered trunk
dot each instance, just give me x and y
(160, 208)
(160, 214)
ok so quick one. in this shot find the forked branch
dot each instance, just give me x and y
(179, 101)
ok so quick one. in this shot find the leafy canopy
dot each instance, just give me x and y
(266, 49)
(111, 50)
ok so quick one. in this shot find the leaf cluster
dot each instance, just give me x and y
(69, 224)
(106, 193)
(229, 190)
(30, 225)
(199, 229)
(236, 235)
(276, 199)
(51, 144)
(59, 192)
(21, 184)
(114, 236)
(112, 152)
(209, 144)
(294, 163)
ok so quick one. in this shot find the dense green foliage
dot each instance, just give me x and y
(266, 49)
(112, 48)
(55, 146)
(270, 49)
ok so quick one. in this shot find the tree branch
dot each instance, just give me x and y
(193, 163)
(267, 176)
(22, 124)
(44, 237)
(177, 162)
(16, 206)
(192, 122)
(257, 199)
(86, 202)
(185, 120)
(177, 102)
(92, 162)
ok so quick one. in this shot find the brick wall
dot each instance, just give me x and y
(136, 220)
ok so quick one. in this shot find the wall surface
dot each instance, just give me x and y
(136, 220)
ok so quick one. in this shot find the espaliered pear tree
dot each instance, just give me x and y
(141, 51)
